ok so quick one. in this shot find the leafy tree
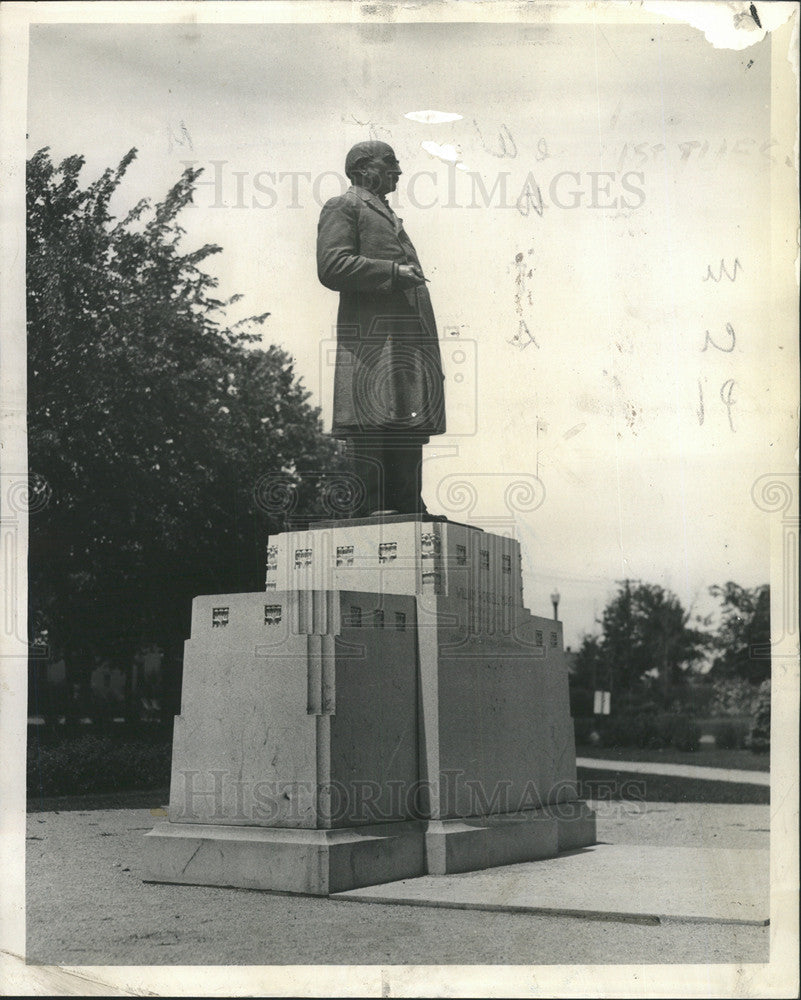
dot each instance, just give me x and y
(589, 665)
(646, 636)
(664, 638)
(742, 643)
(587, 671)
(150, 419)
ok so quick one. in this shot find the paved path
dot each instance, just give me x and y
(677, 770)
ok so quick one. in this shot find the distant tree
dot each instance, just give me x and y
(742, 643)
(665, 637)
(588, 663)
(646, 636)
(150, 419)
(588, 672)
(624, 659)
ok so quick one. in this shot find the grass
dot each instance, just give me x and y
(137, 799)
(616, 786)
(91, 764)
(741, 760)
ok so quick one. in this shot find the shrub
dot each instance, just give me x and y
(731, 735)
(733, 696)
(697, 699)
(581, 702)
(586, 729)
(611, 731)
(96, 764)
(638, 701)
(682, 733)
(626, 731)
(650, 731)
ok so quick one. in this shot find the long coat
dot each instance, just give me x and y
(388, 370)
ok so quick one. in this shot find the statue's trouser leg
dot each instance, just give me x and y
(367, 454)
(389, 465)
(403, 477)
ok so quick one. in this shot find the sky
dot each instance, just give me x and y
(595, 224)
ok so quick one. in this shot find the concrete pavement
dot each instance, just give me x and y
(87, 904)
(606, 882)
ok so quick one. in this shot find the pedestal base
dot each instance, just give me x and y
(387, 708)
(317, 862)
(467, 845)
(321, 862)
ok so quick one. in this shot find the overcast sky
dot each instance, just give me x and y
(573, 307)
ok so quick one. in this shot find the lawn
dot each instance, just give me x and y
(740, 760)
(628, 786)
(155, 799)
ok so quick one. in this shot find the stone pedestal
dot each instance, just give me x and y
(386, 708)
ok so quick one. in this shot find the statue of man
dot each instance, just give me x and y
(388, 381)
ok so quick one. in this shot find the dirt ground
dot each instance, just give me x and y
(87, 905)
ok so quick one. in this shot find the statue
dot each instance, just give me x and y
(388, 381)
(382, 653)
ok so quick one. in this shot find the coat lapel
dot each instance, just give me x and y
(378, 206)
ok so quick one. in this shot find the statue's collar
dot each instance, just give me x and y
(374, 201)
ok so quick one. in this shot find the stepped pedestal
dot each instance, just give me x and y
(386, 708)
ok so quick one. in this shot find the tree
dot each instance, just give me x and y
(150, 419)
(743, 639)
(589, 664)
(645, 634)
(589, 671)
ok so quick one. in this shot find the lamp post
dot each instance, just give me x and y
(555, 601)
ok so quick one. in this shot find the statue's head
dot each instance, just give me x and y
(373, 165)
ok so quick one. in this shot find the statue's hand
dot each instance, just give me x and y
(409, 276)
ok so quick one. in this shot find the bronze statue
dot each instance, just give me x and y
(388, 382)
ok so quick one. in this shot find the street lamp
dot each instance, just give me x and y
(555, 601)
